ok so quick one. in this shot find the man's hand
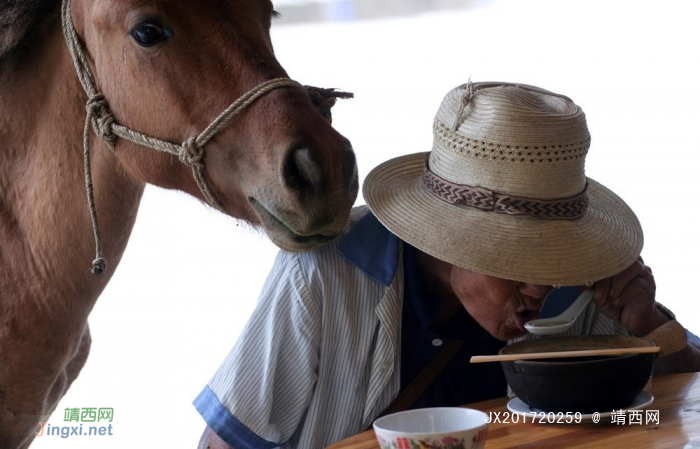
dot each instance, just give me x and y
(629, 298)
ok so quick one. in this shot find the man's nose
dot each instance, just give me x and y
(534, 290)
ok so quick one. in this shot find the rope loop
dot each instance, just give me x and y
(191, 153)
(101, 118)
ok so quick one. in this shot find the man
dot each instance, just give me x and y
(462, 244)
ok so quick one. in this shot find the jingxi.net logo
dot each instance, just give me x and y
(90, 421)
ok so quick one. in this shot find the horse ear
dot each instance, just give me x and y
(324, 99)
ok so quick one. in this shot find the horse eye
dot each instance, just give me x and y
(149, 33)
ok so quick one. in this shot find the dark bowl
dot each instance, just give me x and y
(578, 384)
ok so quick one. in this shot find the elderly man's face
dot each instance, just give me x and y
(500, 306)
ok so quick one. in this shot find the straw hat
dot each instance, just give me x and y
(503, 191)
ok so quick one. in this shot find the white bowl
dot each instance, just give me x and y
(438, 428)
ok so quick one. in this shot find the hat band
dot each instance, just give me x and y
(569, 208)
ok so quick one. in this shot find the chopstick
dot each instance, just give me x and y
(562, 354)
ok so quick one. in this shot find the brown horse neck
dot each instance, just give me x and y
(46, 240)
(45, 229)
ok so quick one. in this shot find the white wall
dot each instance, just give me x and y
(190, 276)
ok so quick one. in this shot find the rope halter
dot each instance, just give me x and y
(190, 152)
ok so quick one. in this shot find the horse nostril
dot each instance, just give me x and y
(301, 172)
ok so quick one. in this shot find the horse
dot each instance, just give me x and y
(88, 90)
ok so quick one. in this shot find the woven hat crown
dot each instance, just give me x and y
(511, 138)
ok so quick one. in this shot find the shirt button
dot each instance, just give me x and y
(437, 342)
(385, 366)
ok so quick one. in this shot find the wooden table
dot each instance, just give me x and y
(676, 397)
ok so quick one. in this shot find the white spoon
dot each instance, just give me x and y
(563, 321)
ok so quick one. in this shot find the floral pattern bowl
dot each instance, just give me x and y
(433, 428)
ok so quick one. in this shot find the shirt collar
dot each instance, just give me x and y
(371, 248)
(374, 250)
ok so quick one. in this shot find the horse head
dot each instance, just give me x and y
(167, 69)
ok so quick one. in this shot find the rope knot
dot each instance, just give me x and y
(98, 266)
(102, 119)
(191, 153)
(324, 99)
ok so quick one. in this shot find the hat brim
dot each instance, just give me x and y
(602, 243)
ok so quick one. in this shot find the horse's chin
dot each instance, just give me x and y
(283, 235)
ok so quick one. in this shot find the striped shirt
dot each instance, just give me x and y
(320, 356)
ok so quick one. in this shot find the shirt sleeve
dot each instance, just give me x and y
(260, 394)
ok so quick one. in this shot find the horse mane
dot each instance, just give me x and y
(18, 18)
